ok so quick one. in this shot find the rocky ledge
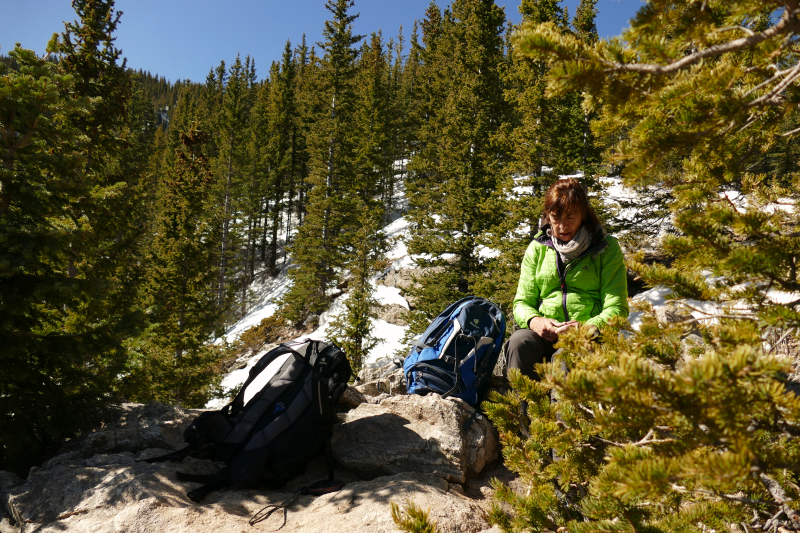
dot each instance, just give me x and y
(391, 448)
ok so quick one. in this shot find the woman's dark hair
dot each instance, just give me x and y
(567, 196)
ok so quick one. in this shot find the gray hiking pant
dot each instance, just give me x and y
(526, 349)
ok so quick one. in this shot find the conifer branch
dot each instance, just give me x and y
(777, 492)
(780, 340)
(727, 198)
(646, 441)
(793, 75)
(745, 29)
(709, 493)
(788, 23)
(777, 76)
(711, 316)
(790, 133)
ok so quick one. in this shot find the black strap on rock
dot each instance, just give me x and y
(323, 486)
(318, 488)
(267, 511)
(199, 494)
(212, 482)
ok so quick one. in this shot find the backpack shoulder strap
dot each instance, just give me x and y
(330, 377)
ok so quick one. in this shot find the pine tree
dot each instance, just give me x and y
(64, 344)
(171, 362)
(374, 155)
(647, 434)
(103, 246)
(409, 100)
(306, 68)
(46, 385)
(352, 329)
(321, 240)
(282, 147)
(453, 189)
(227, 105)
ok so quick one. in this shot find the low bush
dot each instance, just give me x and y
(264, 333)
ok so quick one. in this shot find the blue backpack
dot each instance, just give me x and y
(456, 355)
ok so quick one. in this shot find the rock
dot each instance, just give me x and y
(311, 321)
(8, 480)
(135, 427)
(393, 314)
(691, 346)
(672, 313)
(380, 368)
(239, 363)
(393, 385)
(350, 399)
(365, 507)
(385, 376)
(98, 484)
(140, 497)
(402, 279)
(445, 437)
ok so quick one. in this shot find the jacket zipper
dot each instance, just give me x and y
(563, 277)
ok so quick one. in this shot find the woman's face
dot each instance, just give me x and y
(566, 225)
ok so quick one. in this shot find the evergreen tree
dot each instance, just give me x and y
(352, 329)
(321, 240)
(541, 131)
(282, 146)
(46, 384)
(227, 103)
(397, 118)
(307, 71)
(374, 155)
(453, 189)
(170, 362)
(409, 100)
(64, 346)
(647, 435)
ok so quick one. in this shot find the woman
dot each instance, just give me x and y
(572, 273)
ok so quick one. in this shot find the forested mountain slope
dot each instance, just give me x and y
(130, 241)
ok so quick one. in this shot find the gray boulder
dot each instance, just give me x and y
(393, 314)
(350, 399)
(133, 428)
(673, 313)
(121, 495)
(98, 484)
(402, 279)
(444, 437)
(378, 369)
(385, 376)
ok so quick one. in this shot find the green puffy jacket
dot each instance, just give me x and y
(595, 286)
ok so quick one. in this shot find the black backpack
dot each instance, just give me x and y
(278, 422)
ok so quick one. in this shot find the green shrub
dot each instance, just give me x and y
(641, 436)
(413, 519)
(266, 332)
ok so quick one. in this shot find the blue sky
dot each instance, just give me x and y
(186, 38)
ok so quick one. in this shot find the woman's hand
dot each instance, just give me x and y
(548, 329)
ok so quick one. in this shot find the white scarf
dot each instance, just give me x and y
(575, 247)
